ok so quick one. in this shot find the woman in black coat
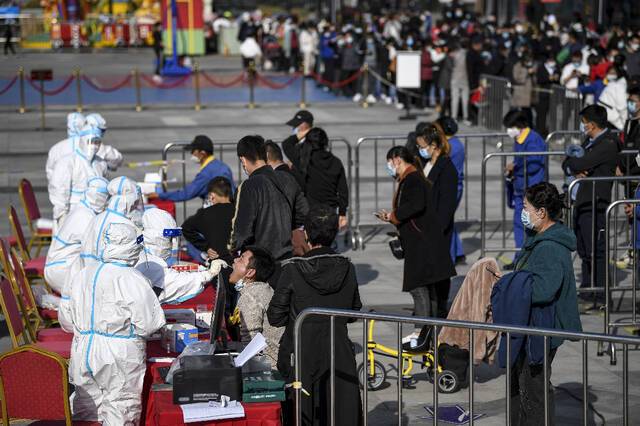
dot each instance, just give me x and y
(427, 264)
(322, 279)
(433, 148)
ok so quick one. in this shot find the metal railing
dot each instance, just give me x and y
(382, 187)
(496, 101)
(610, 326)
(437, 325)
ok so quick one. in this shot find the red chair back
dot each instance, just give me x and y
(34, 385)
(12, 313)
(29, 202)
(22, 283)
(4, 257)
(17, 232)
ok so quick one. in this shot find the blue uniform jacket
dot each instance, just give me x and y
(511, 305)
(535, 164)
(457, 157)
(198, 187)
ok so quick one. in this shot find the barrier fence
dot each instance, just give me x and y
(250, 78)
(611, 283)
(379, 145)
(437, 324)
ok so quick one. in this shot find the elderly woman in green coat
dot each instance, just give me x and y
(546, 254)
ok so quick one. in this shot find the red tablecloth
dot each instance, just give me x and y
(166, 205)
(161, 411)
(207, 297)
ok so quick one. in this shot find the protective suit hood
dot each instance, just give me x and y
(154, 222)
(96, 196)
(126, 199)
(85, 149)
(120, 244)
(95, 120)
(75, 124)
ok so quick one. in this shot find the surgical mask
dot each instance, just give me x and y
(424, 153)
(391, 169)
(577, 64)
(638, 159)
(294, 131)
(583, 128)
(92, 149)
(195, 159)
(525, 218)
(239, 285)
(551, 65)
(612, 77)
(513, 132)
(632, 107)
(634, 46)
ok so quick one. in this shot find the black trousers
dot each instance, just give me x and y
(431, 300)
(542, 110)
(527, 392)
(583, 220)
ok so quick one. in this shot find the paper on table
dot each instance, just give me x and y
(203, 411)
(257, 344)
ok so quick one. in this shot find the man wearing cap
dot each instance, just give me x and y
(202, 153)
(301, 123)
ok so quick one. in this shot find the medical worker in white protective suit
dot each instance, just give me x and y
(71, 173)
(67, 243)
(75, 124)
(108, 153)
(125, 206)
(170, 285)
(113, 310)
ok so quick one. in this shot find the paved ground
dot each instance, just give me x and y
(141, 136)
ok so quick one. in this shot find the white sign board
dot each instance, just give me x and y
(408, 65)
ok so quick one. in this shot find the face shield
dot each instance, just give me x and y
(96, 196)
(90, 143)
(121, 244)
(75, 124)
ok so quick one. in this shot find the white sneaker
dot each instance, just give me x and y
(357, 97)
(387, 100)
(371, 99)
(466, 122)
(413, 336)
(399, 105)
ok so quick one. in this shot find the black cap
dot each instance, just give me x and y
(302, 116)
(202, 143)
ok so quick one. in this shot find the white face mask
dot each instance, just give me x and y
(195, 159)
(612, 77)
(92, 149)
(513, 132)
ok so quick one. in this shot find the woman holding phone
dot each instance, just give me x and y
(427, 265)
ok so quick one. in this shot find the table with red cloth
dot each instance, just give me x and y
(207, 297)
(161, 411)
(166, 205)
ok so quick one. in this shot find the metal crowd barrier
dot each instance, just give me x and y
(495, 102)
(483, 195)
(228, 147)
(611, 285)
(386, 142)
(437, 325)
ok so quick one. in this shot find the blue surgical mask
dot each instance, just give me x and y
(391, 169)
(424, 153)
(525, 218)
(583, 128)
(632, 107)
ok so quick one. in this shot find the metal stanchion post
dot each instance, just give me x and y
(136, 82)
(303, 87)
(365, 85)
(252, 77)
(76, 72)
(22, 108)
(196, 85)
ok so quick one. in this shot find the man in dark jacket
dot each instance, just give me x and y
(319, 279)
(601, 154)
(266, 203)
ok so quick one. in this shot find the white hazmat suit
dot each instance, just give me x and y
(177, 287)
(112, 156)
(71, 173)
(67, 243)
(64, 148)
(113, 310)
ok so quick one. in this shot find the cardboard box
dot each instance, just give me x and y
(176, 337)
(180, 316)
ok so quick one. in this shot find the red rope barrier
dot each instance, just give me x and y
(172, 85)
(278, 86)
(337, 84)
(53, 92)
(97, 87)
(216, 83)
(9, 86)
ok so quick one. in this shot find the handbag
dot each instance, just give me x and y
(396, 248)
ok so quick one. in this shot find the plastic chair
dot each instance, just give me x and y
(15, 323)
(34, 385)
(34, 267)
(40, 236)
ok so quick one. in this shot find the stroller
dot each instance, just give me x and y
(472, 303)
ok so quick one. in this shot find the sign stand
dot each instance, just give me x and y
(42, 75)
(408, 64)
